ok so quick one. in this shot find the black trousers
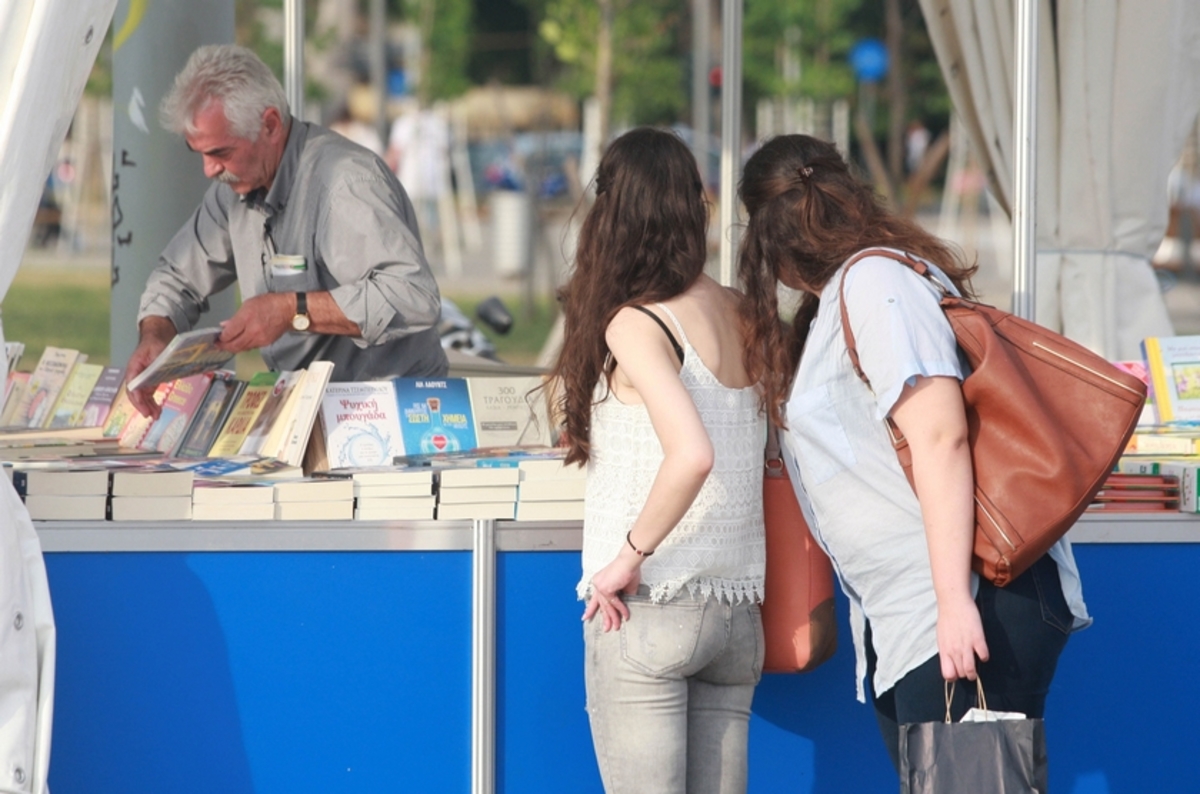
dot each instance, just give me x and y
(1026, 626)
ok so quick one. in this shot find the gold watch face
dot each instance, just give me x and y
(300, 322)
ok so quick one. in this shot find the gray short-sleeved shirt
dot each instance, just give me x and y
(341, 208)
(862, 509)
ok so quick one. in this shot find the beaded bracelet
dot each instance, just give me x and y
(636, 550)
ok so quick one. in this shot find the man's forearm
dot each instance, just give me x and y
(326, 317)
(155, 327)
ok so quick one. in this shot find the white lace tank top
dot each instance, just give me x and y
(718, 547)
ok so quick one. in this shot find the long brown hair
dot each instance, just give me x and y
(643, 240)
(809, 214)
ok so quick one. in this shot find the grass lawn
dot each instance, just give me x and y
(70, 308)
(61, 308)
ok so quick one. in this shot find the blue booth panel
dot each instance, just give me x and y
(351, 672)
(1120, 719)
(262, 672)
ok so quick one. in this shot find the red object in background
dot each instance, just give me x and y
(714, 77)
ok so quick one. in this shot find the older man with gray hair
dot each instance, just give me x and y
(317, 232)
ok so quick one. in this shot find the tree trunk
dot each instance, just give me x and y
(874, 161)
(896, 89)
(604, 72)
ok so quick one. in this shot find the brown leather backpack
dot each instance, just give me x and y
(1046, 417)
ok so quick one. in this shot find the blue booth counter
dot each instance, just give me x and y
(439, 657)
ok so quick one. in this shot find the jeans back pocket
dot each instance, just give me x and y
(661, 638)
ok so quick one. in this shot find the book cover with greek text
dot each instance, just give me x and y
(362, 423)
(435, 415)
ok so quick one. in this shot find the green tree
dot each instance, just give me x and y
(446, 29)
(825, 40)
(648, 65)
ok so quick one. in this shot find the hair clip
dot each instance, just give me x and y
(804, 174)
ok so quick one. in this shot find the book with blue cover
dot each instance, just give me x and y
(435, 415)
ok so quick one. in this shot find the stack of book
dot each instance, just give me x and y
(1166, 450)
(63, 494)
(1138, 493)
(330, 499)
(233, 500)
(54, 445)
(472, 491)
(550, 490)
(387, 494)
(150, 494)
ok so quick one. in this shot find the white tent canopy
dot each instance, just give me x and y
(47, 48)
(1118, 91)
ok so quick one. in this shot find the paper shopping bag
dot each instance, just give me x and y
(1005, 756)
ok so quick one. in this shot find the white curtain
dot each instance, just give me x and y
(1118, 91)
(47, 48)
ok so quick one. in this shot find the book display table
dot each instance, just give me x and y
(447, 657)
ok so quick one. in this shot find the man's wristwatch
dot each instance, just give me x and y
(300, 321)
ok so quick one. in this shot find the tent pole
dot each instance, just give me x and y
(731, 131)
(1025, 161)
(293, 56)
(701, 111)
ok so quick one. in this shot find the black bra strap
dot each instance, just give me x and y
(666, 330)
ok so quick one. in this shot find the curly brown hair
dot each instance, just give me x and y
(644, 240)
(809, 213)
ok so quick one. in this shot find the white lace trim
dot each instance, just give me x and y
(718, 547)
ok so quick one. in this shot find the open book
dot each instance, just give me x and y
(189, 353)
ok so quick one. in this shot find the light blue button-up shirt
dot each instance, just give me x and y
(860, 505)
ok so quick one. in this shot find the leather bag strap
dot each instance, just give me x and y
(772, 455)
(921, 269)
(904, 259)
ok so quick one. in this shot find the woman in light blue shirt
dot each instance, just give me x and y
(918, 613)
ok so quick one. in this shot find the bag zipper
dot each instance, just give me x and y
(996, 524)
(1086, 368)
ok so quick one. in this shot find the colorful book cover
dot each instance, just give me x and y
(242, 417)
(136, 428)
(210, 417)
(189, 353)
(362, 424)
(104, 394)
(481, 457)
(1174, 365)
(1138, 369)
(272, 412)
(45, 383)
(435, 415)
(509, 411)
(120, 414)
(178, 410)
(68, 411)
(240, 466)
(16, 388)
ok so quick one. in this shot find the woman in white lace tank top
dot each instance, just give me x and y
(656, 400)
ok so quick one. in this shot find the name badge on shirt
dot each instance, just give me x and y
(288, 265)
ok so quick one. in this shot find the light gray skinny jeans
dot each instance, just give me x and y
(669, 694)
